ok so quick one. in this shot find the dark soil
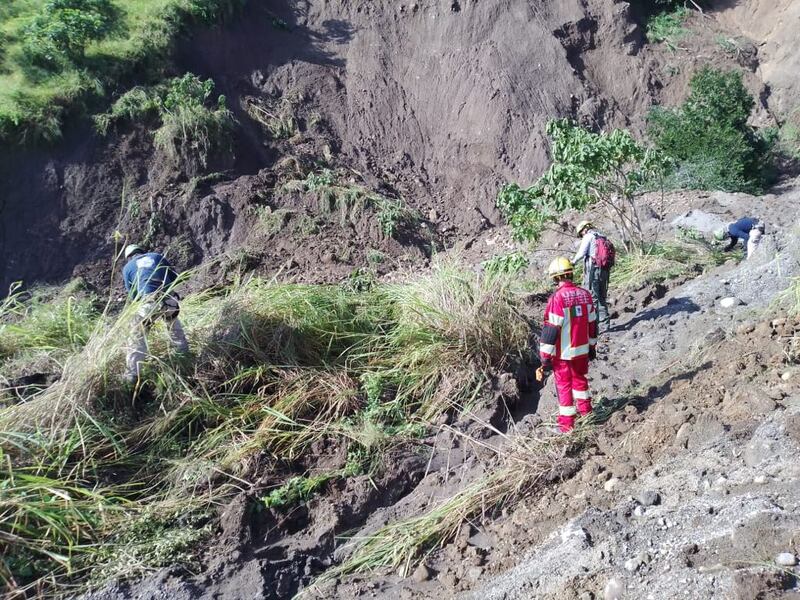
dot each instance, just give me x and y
(440, 124)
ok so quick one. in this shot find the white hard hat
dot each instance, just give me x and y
(132, 249)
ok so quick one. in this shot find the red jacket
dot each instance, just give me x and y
(569, 328)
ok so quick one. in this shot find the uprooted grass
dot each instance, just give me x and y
(521, 464)
(276, 367)
(337, 195)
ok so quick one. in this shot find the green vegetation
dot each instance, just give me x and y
(276, 368)
(375, 257)
(588, 168)
(663, 261)
(63, 56)
(709, 139)
(57, 36)
(53, 321)
(39, 330)
(297, 489)
(507, 264)
(191, 127)
(350, 200)
(789, 299)
(668, 27)
(789, 135)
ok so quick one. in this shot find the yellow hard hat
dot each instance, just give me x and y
(583, 225)
(559, 266)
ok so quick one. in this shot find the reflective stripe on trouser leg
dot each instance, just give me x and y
(579, 369)
(177, 335)
(566, 407)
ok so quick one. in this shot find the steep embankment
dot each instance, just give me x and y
(374, 135)
(432, 102)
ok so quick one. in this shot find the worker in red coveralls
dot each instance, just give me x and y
(569, 337)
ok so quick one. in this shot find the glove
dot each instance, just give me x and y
(543, 371)
(592, 353)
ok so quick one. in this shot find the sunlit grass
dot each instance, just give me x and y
(276, 367)
(31, 105)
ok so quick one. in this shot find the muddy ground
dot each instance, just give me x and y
(689, 488)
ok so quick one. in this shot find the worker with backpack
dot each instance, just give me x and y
(598, 254)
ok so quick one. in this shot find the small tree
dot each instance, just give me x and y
(588, 168)
(59, 34)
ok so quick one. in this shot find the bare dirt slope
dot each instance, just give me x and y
(773, 25)
(451, 97)
(434, 102)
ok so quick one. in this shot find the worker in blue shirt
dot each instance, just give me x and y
(148, 278)
(747, 229)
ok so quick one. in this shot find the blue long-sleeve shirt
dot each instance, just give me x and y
(740, 230)
(148, 273)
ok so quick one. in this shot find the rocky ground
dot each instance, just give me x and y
(690, 489)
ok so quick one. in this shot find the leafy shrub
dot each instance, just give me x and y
(588, 168)
(297, 489)
(190, 127)
(392, 215)
(133, 105)
(59, 34)
(507, 264)
(709, 138)
(668, 27)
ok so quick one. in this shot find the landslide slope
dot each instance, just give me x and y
(432, 102)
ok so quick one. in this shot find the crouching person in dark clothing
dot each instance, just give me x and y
(148, 277)
(748, 229)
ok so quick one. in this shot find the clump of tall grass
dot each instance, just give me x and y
(192, 126)
(51, 520)
(275, 368)
(662, 261)
(45, 320)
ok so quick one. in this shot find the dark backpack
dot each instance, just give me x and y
(605, 254)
